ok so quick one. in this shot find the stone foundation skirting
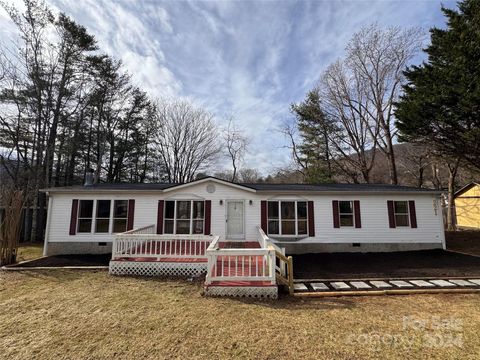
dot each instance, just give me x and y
(270, 292)
(153, 268)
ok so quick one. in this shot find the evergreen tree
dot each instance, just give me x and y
(441, 103)
(314, 153)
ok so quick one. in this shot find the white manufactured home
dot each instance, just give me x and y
(236, 232)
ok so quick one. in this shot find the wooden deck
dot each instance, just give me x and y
(232, 268)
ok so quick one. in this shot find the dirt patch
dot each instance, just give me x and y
(463, 241)
(68, 260)
(426, 263)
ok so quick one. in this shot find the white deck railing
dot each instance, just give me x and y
(245, 264)
(149, 229)
(143, 243)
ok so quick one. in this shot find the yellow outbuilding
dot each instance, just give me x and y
(467, 206)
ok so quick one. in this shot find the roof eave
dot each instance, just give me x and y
(369, 192)
(465, 188)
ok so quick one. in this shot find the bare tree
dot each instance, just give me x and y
(187, 139)
(236, 143)
(415, 161)
(359, 92)
(301, 164)
(344, 100)
(248, 175)
(377, 58)
(245, 175)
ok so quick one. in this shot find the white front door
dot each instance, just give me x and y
(235, 220)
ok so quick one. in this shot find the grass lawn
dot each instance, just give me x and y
(29, 251)
(63, 314)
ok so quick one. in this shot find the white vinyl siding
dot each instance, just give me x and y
(375, 225)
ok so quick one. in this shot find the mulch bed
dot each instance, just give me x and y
(425, 263)
(467, 241)
(68, 260)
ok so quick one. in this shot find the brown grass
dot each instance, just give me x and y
(29, 251)
(64, 314)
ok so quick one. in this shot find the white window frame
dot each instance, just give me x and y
(94, 217)
(97, 218)
(192, 219)
(112, 215)
(352, 214)
(407, 214)
(280, 218)
(92, 225)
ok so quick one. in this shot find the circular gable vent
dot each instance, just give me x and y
(210, 188)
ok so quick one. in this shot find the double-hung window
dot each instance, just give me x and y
(102, 221)
(120, 216)
(346, 213)
(85, 216)
(287, 217)
(184, 217)
(401, 213)
(98, 215)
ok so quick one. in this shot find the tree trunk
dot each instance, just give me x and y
(40, 223)
(392, 166)
(420, 177)
(452, 174)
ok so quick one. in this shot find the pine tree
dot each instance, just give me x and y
(314, 153)
(441, 101)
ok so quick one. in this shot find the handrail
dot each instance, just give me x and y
(288, 279)
(214, 244)
(283, 272)
(147, 245)
(148, 229)
(262, 237)
(241, 264)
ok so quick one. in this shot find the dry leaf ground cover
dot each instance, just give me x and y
(65, 314)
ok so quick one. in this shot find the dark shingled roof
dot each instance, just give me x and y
(337, 187)
(114, 186)
(257, 186)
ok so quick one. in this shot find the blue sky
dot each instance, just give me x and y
(249, 59)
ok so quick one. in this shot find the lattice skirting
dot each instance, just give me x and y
(151, 268)
(243, 291)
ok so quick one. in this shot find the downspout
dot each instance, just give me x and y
(49, 221)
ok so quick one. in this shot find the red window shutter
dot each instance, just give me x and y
(161, 206)
(263, 216)
(336, 214)
(391, 214)
(311, 219)
(413, 214)
(73, 217)
(208, 217)
(131, 214)
(356, 212)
